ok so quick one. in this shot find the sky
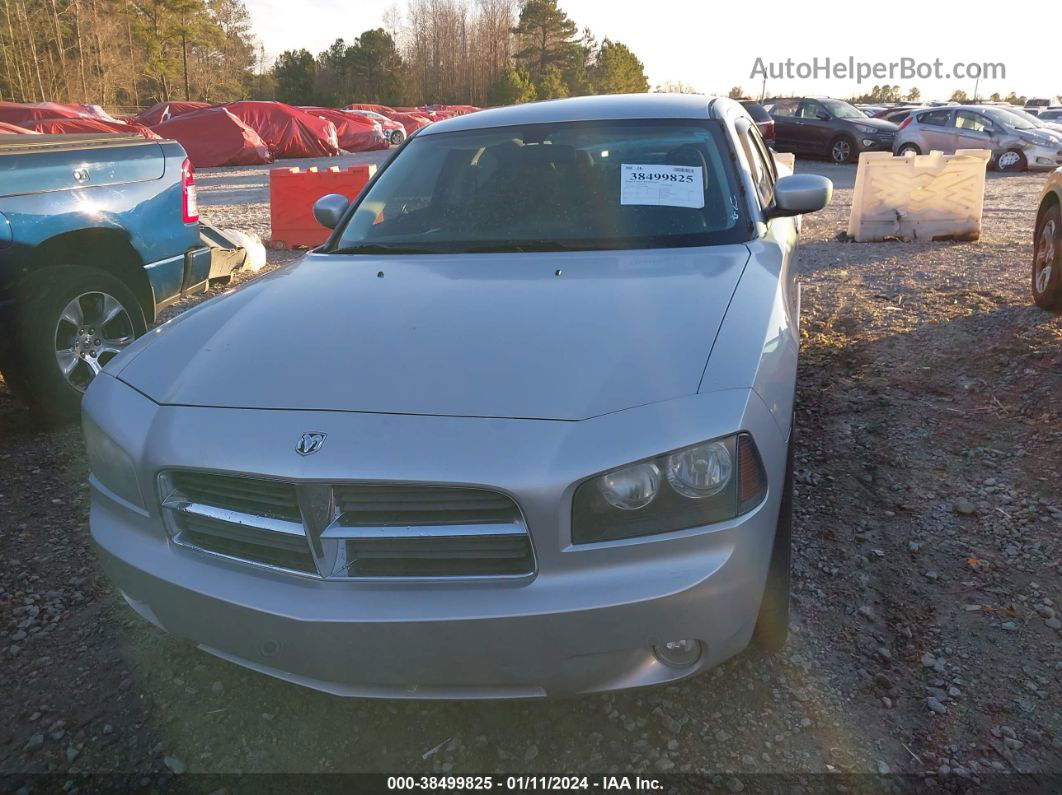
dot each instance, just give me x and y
(713, 47)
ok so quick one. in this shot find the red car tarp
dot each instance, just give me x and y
(287, 131)
(67, 126)
(87, 111)
(11, 129)
(411, 121)
(356, 133)
(18, 113)
(387, 124)
(214, 137)
(164, 111)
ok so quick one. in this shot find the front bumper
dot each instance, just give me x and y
(875, 143)
(1043, 158)
(584, 623)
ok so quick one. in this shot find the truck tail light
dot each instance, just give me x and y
(906, 121)
(189, 203)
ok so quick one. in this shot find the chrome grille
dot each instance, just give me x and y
(245, 543)
(348, 531)
(429, 531)
(421, 504)
(270, 498)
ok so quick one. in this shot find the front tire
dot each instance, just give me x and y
(842, 150)
(1011, 160)
(908, 149)
(72, 321)
(397, 137)
(772, 623)
(1047, 260)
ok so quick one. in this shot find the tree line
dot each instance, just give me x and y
(125, 53)
(476, 52)
(130, 53)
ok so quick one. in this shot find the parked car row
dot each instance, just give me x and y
(236, 133)
(827, 127)
(1017, 142)
(835, 129)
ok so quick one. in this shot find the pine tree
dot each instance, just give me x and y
(618, 71)
(513, 87)
(295, 72)
(546, 37)
(552, 85)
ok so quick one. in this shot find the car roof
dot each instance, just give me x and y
(604, 107)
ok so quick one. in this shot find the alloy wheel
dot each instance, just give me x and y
(1046, 254)
(842, 151)
(91, 330)
(1008, 160)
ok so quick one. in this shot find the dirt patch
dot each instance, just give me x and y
(927, 584)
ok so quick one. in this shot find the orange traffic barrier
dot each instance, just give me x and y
(292, 193)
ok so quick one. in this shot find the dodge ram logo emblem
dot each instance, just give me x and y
(310, 443)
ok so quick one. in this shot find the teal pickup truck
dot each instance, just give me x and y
(97, 234)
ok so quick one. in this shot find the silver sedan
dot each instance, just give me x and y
(522, 426)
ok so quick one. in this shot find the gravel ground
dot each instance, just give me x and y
(927, 601)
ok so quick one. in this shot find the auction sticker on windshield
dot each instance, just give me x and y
(669, 186)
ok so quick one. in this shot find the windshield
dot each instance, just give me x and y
(842, 110)
(547, 187)
(1008, 119)
(1021, 114)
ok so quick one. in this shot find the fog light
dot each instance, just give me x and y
(868, 142)
(678, 653)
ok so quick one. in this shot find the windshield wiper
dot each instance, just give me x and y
(384, 248)
(528, 248)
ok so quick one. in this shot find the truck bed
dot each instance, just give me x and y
(20, 144)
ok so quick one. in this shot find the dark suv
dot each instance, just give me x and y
(828, 127)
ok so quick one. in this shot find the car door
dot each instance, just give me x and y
(782, 233)
(935, 131)
(817, 127)
(971, 130)
(783, 111)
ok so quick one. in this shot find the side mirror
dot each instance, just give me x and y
(328, 210)
(823, 116)
(797, 194)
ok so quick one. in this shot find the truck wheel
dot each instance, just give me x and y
(772, 624)
(73, 320)
(1047, 260)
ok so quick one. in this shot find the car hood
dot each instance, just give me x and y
(546, 336)
(1041, 136)
(877, 124)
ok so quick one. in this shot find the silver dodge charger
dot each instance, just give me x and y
(522, 427)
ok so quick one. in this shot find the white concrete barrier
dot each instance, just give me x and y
(919, 197)
(784, 162)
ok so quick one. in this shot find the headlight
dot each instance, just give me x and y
(701, 471)
(631, 488)
(705, 483)
(110, 464)
(863, 128)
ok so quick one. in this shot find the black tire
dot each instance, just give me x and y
(913, 148)
(42, 328)
(772, 623)
(397, 137)
(1011, 160)
(1047, 260)
(842, 150)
